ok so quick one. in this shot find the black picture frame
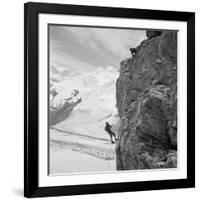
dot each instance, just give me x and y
(31, 185)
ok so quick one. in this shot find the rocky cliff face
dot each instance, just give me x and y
(147, 103)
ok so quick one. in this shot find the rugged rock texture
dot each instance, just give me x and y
(151, 33)
(147, 103)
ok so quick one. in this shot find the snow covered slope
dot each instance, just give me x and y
(97, 91)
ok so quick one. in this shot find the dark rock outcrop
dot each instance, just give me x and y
(147, 103)
(152, 33)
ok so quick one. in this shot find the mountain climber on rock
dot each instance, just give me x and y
(110, 132)
(133, 51)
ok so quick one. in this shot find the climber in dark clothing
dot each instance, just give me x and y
(110, 132)
(133, 51)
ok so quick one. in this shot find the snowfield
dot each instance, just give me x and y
(70, 153)
(65, 161)
(78, 142)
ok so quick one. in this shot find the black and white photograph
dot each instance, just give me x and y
(112, 99)
(109, 99)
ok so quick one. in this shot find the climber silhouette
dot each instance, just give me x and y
(133, 51)
(110, 132)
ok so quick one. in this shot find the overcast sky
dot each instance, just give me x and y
(85, 49)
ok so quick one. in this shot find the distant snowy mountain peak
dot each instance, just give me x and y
(86, 82)
(57, 73)
(104, 75)
(93, 96)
